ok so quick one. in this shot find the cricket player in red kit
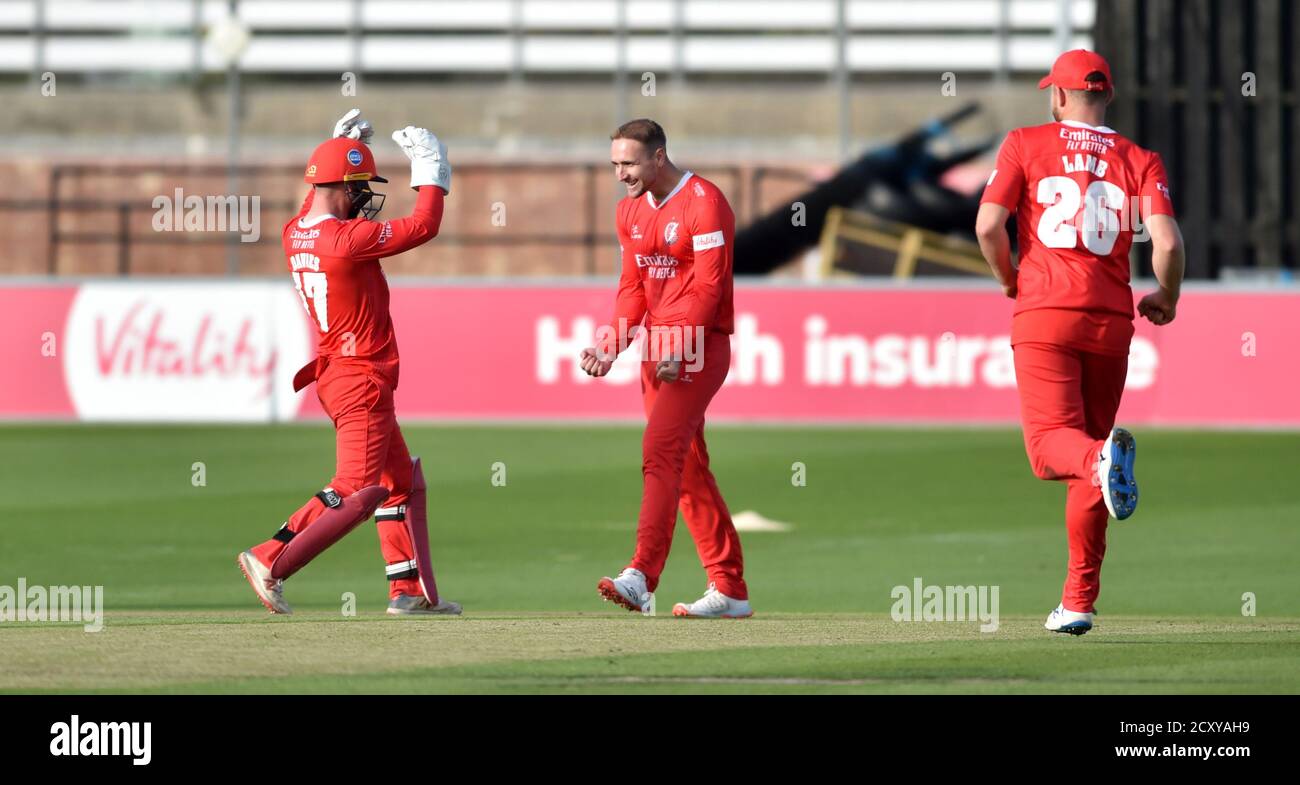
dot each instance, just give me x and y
(333, 250)
(1077, 189)
(676, 234)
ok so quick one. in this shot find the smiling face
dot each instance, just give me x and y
(635, 165)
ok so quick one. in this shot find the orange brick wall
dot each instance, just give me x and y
(553, 202)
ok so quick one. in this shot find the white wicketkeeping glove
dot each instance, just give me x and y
(428, 156)
(354, 126)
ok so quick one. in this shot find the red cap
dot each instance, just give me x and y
(342, 160)
(1070, 71)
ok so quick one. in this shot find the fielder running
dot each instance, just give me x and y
(333, 248)
(1074, 184)
(676, 234)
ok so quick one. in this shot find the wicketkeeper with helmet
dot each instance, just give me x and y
(333, 248)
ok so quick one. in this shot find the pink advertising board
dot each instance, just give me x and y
(192, 350)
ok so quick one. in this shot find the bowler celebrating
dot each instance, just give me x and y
(676, 234)
(333, 250)
(1074, 184)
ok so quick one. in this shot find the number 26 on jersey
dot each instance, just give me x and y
(1061, 222)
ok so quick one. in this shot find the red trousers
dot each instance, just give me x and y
(675, 471)
(369, 450)
(1068, 401)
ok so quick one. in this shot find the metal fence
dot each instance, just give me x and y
(1211, 85)
(522, 36)
(590, 236)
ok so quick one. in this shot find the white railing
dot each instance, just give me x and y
(578, 36)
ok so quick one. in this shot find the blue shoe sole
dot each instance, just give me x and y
(1074, 629)
(1122, 484)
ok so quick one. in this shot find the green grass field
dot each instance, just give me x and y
(116, 506)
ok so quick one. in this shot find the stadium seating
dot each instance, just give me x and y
(541, 36)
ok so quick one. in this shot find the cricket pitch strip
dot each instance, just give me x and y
(249, 652)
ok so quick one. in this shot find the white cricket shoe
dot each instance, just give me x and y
(1119, 487)
(1071, 622)
(714, 605)
(419, 605)
(628, 590)
(269, 590)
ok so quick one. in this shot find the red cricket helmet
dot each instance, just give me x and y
(342, 160)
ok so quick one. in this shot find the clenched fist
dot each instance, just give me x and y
(1159, 307)
(593, 364)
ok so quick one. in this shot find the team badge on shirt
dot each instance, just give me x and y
(670, 232)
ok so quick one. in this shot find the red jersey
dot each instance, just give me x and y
(676, 257)
(335, 268)
(1073, 188)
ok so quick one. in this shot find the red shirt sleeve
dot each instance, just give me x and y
(378, 239)
(630, 302)
(1155, 189)
(712, 228)
(1007, 182)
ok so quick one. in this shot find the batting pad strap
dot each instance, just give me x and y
(402, 569)
(329, 528)
(397, 513)
(330, 498)
(284, 535)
